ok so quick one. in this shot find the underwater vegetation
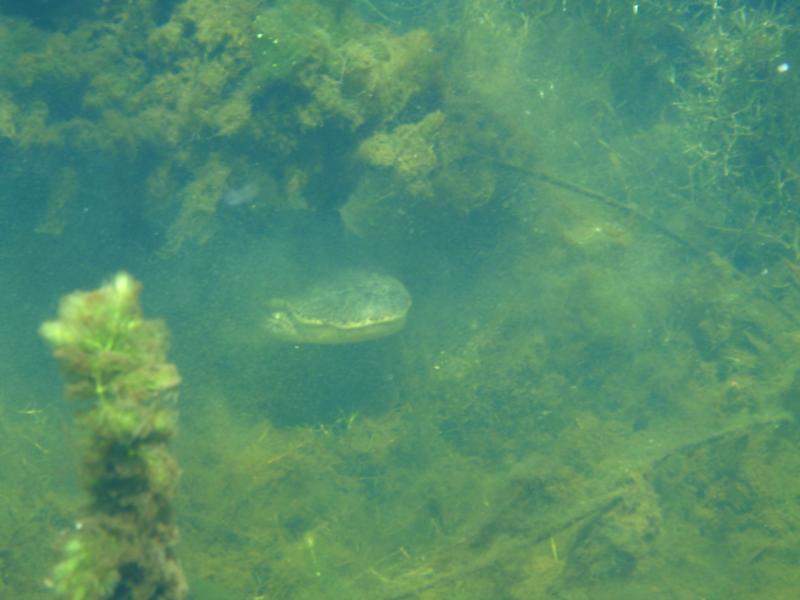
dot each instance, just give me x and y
(593, 205)
(115, 367)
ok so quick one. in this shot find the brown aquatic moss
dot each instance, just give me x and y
(114, 363)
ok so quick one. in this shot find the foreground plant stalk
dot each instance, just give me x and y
(116, 371)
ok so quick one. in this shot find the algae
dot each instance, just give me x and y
(115, 368)
(596, 392)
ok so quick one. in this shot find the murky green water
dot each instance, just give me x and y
(593, 206)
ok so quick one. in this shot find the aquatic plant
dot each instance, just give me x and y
(114, 363)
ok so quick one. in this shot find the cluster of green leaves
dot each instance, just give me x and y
(116, 360)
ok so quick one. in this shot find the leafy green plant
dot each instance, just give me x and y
(114, 362)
